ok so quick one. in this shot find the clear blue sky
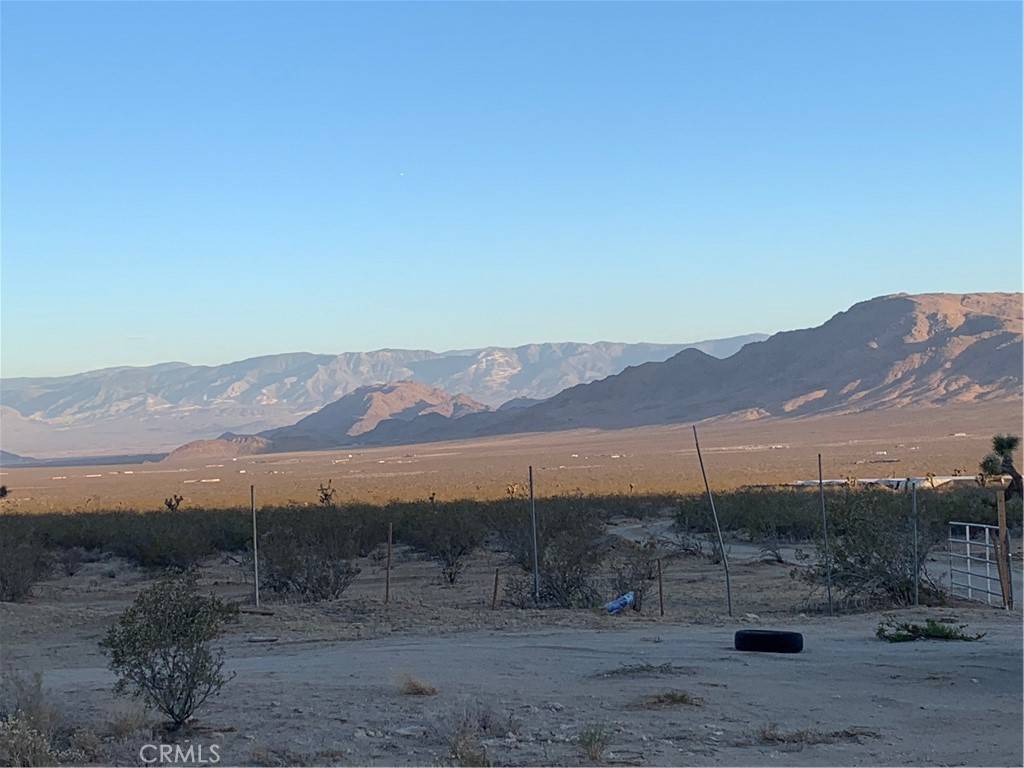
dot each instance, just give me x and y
(207, 182)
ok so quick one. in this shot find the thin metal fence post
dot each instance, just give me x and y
(949, 553)
(661, 591)
(718, 528)
(536, 557)
(824, 533)
(988, 569)
(967, 539)
(387, 572)
(917, 564)
(255, 548)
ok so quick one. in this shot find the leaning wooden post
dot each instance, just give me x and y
(718, 528)
(1003, 553)
(255, 548)
(661, 591)
(494, 597)
(387, 571)
(824, 533)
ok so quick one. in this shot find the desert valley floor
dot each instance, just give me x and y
(888, 443)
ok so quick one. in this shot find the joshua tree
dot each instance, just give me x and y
(325, 494)
(173, 502)
(1000, 462)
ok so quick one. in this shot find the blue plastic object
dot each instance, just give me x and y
(621, 603)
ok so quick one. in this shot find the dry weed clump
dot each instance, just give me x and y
(127, 720)
(770, 734)
(22, 744)
(593, 741)
(665, 699)
(33, 732)
(646, 670)
(470, 727)
(413, 686)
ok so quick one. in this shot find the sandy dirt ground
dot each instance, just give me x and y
(328, 689)
(897, 443)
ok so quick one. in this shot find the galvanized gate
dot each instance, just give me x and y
(973, 569)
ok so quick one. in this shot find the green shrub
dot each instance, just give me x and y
(22, 560)
(871, 547)
(160, 647)
(448, 534)
(902, 632)
(570, 550)
(305, 552)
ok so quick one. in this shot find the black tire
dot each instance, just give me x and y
(769, 641)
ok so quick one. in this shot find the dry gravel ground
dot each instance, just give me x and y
(329, 690)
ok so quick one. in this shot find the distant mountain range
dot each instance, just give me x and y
(127, 410)
(889, 352)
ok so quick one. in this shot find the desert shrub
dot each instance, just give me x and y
(871, 547)
(25, 697)
(306, 553)
(758, 514)
(593, 740)
(32, 730)
(570, 549)
(160, 647)
(902, 632)
(965, 504)
(470, 726)
(23, 745)
(447, 534)
(22, 560)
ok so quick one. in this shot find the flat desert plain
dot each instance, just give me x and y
(894, 442)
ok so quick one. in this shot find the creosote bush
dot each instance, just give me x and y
(570, 548)
(447, 536)
(22, 560)
(160, 647)
(306, 553)
(871, 548)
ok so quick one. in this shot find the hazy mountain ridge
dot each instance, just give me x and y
(362, 411)
(161, 406)
(893, 351)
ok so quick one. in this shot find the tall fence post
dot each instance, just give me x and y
(536, 557)
(824, 533)
(1003, 552)
(387, 571)
(661, 591)
(255, 548)
(917, 563)
(718, 528)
